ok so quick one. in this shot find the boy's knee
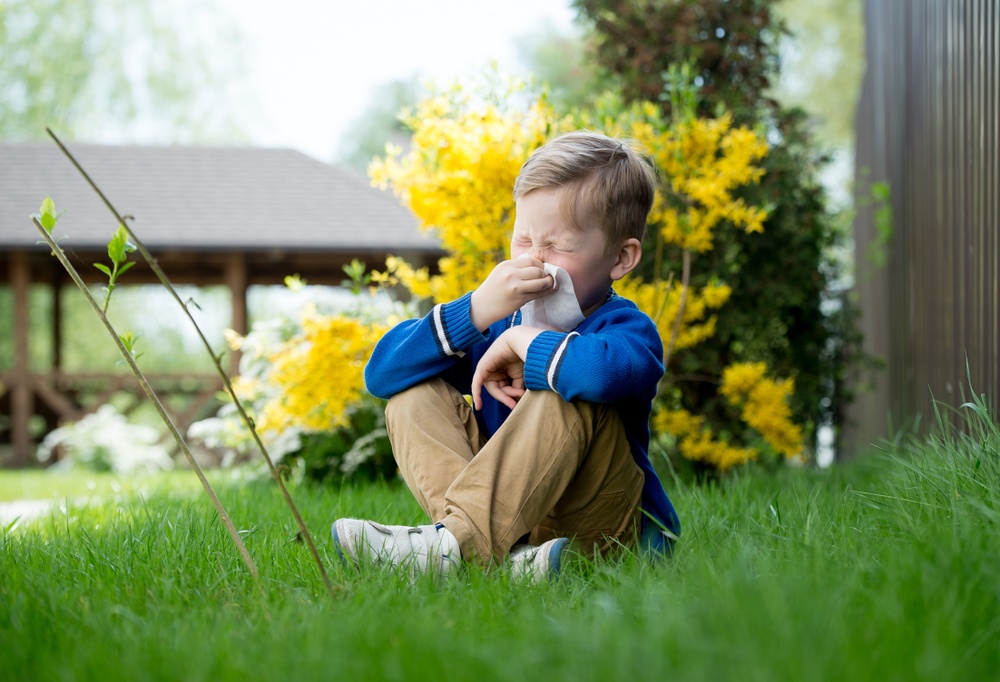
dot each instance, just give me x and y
(552, 403)
(400, 403)
(416, 400)
(549, 401)
(404, 407)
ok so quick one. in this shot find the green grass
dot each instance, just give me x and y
(888, 569)
(36, 484)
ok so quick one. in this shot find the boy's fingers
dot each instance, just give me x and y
(496, 389)
(535, 285)
(477, 391)
(526, 261)
(496, 384)
(491, 382)
(512, 391)
(530, 268)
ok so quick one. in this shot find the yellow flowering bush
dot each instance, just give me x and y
(466, 151)
(302, 381)
(457, 178)
(764, 404)
(701, 162)
(695, 441)
(662, 302)
(319, 373)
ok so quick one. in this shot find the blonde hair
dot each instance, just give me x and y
(615, 183)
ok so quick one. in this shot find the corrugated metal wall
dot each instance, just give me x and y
(927, 126)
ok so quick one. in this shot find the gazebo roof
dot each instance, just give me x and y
(235, 217)
(203, 199)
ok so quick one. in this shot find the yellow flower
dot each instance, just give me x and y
(233, 339)
(457, 178)
(677, 423)
(701, 447)
(715, 295)
(765, 405)
(318, 374)
(739, 379)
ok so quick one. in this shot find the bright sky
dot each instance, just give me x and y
(315, 64)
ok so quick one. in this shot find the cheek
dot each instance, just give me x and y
(558, 261)
(575, 274)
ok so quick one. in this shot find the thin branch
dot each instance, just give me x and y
(702, 378)
(666, 298)
(154, 265)
(226, 520)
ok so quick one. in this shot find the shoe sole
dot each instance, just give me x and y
(555, 556)
(336, 545)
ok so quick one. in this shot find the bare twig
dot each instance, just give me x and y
(226, 520)
(702, 378)
(216, 359)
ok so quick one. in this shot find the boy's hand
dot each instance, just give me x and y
(501, 369)
(510, 285)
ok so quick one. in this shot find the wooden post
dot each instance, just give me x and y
(57, 341)
(236, 280)
(21, 400)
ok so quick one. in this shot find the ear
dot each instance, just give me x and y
(627, 259)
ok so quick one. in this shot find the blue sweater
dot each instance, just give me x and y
(614, 356)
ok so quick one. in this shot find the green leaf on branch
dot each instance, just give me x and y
(119, 246)
(128, 340)
(47, 214)
(356, 270)
(118, 249)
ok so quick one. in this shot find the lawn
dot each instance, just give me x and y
(885, 569)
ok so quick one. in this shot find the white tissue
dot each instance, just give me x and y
(559, 311)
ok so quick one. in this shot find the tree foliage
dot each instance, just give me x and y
(733, 46)
(563, 62)
(823, 54)
(380, 124)
(117, 70)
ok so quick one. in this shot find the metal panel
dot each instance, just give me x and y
(927, 125)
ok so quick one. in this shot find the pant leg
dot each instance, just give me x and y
(558, 468)
(434, 435)
(600, 509)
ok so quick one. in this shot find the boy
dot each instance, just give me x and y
(554, 449)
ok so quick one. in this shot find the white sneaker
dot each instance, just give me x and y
(538, 564)
(411, 549)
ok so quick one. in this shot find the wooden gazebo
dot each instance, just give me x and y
(231, 216)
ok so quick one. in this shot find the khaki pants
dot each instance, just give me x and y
(554, 469)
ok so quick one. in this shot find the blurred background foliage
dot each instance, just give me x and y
(161, 72)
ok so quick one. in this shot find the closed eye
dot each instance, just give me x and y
(545, 246)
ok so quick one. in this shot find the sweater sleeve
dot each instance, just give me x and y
(418, 349)
(615, 357)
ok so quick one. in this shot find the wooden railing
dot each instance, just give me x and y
(59, 397)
